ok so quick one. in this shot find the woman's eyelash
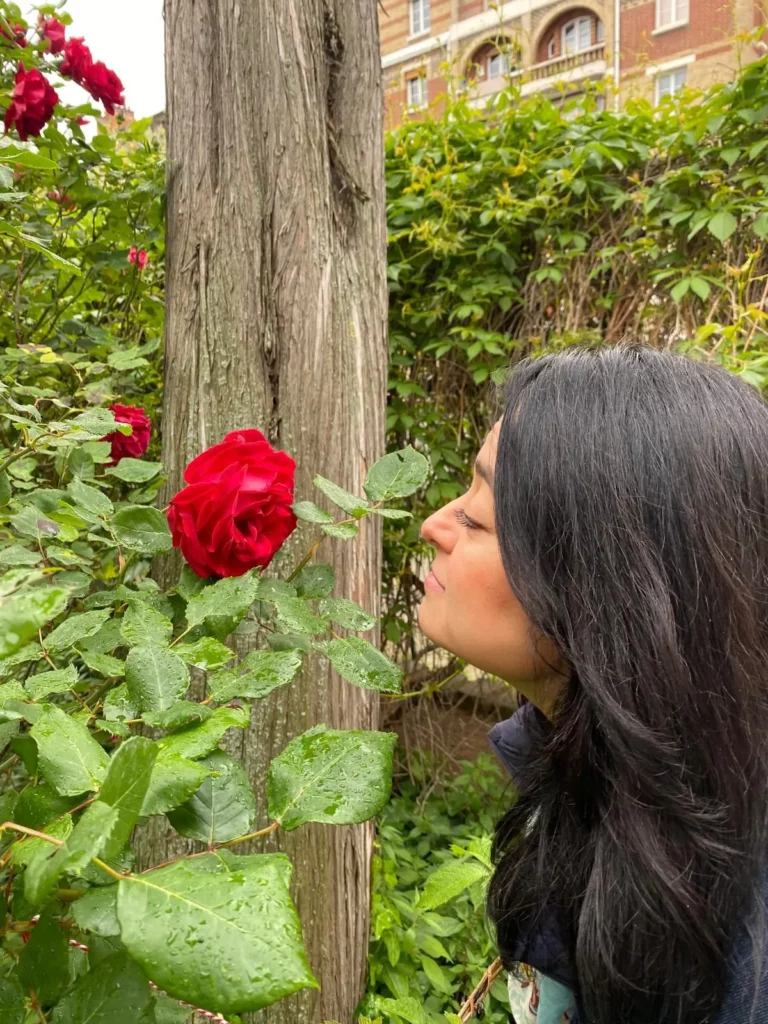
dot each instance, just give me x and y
(464, 519)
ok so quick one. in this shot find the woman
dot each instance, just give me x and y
(611, 561)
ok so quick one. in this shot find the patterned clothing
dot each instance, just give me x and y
(536, 999)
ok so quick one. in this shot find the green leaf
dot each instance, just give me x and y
(259, 674)
(169, 1011)
(125, 788)
(26, 850)
(179, 715)
(5, 489)
(117, 993)
(135, 471)
(229, 597)
(69, 758)
(218, 931)
(74, 629)
(12, 1001)
(90, 836)
(310, 513)
(347, 502)
(43, 965)
(347, 614)
(21, 616)
(104, 664)
(223, 808)
(406, 1008)
(315, 581)
(392, 513)
(43, 683)
(118, 706)
(156, 678)
(760, 228)
(174, 780)
(722, 225)
(295, 615)
(143, 529)
(199, 740)
(15, 554)
(397, 475)
(449, 880)
(361, 663)
(206, 653)
(90, 498)
(325, 775)
(341, 531)
(97, 911)
(143, 626)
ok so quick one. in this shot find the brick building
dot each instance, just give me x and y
(652, 47)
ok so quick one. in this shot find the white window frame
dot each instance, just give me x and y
(600, 32)
(677, 80)
(502, 66)
(679, 13)
(551, 49)
(420, 18)
(584, 22)
(421, 100)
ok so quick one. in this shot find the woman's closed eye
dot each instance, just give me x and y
(463, 518)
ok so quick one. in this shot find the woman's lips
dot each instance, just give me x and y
(433, 583)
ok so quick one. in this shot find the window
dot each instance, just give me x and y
(600, 31)
(670, 83)
(577, 35)
(416, 89)
(671, 12)
(419, 17)
(551, 48)
(498, 65)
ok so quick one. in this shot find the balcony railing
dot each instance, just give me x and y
(562, 65)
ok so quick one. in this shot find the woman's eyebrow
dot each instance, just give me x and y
(483, 472)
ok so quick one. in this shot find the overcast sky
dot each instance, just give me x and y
(128, 36)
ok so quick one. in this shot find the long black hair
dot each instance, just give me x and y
(631, 496)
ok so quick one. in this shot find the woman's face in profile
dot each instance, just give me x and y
(469, 607)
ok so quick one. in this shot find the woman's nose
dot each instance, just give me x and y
(439, 529)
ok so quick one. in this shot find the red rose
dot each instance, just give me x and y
(236, 512)
(77, 60)
(55, 33)
(61, 198)
(19, 34)
(32, 105)
(132, 445)
(104, 85)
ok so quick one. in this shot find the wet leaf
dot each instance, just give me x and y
(224, 806)
(326, 775)
(361, 663)
(156, 678)
(69, 758)
(218, 931)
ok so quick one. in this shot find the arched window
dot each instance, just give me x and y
(498, 65)
(577, 34)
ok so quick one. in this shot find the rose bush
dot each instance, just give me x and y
(32, 105)
(131, 445)
(235, 512)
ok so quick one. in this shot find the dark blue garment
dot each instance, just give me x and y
(543, 946)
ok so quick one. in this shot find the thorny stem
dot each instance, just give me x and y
(432, 688)
(182, 635)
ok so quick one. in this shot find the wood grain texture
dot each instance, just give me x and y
(276, 319)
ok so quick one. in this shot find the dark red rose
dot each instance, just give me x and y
(235, 512)
(77, 60)
(104, 85)
(61, 198)
(32, 105)
(55, 33)
(131, 445)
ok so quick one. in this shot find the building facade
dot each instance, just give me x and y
(652, 48)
